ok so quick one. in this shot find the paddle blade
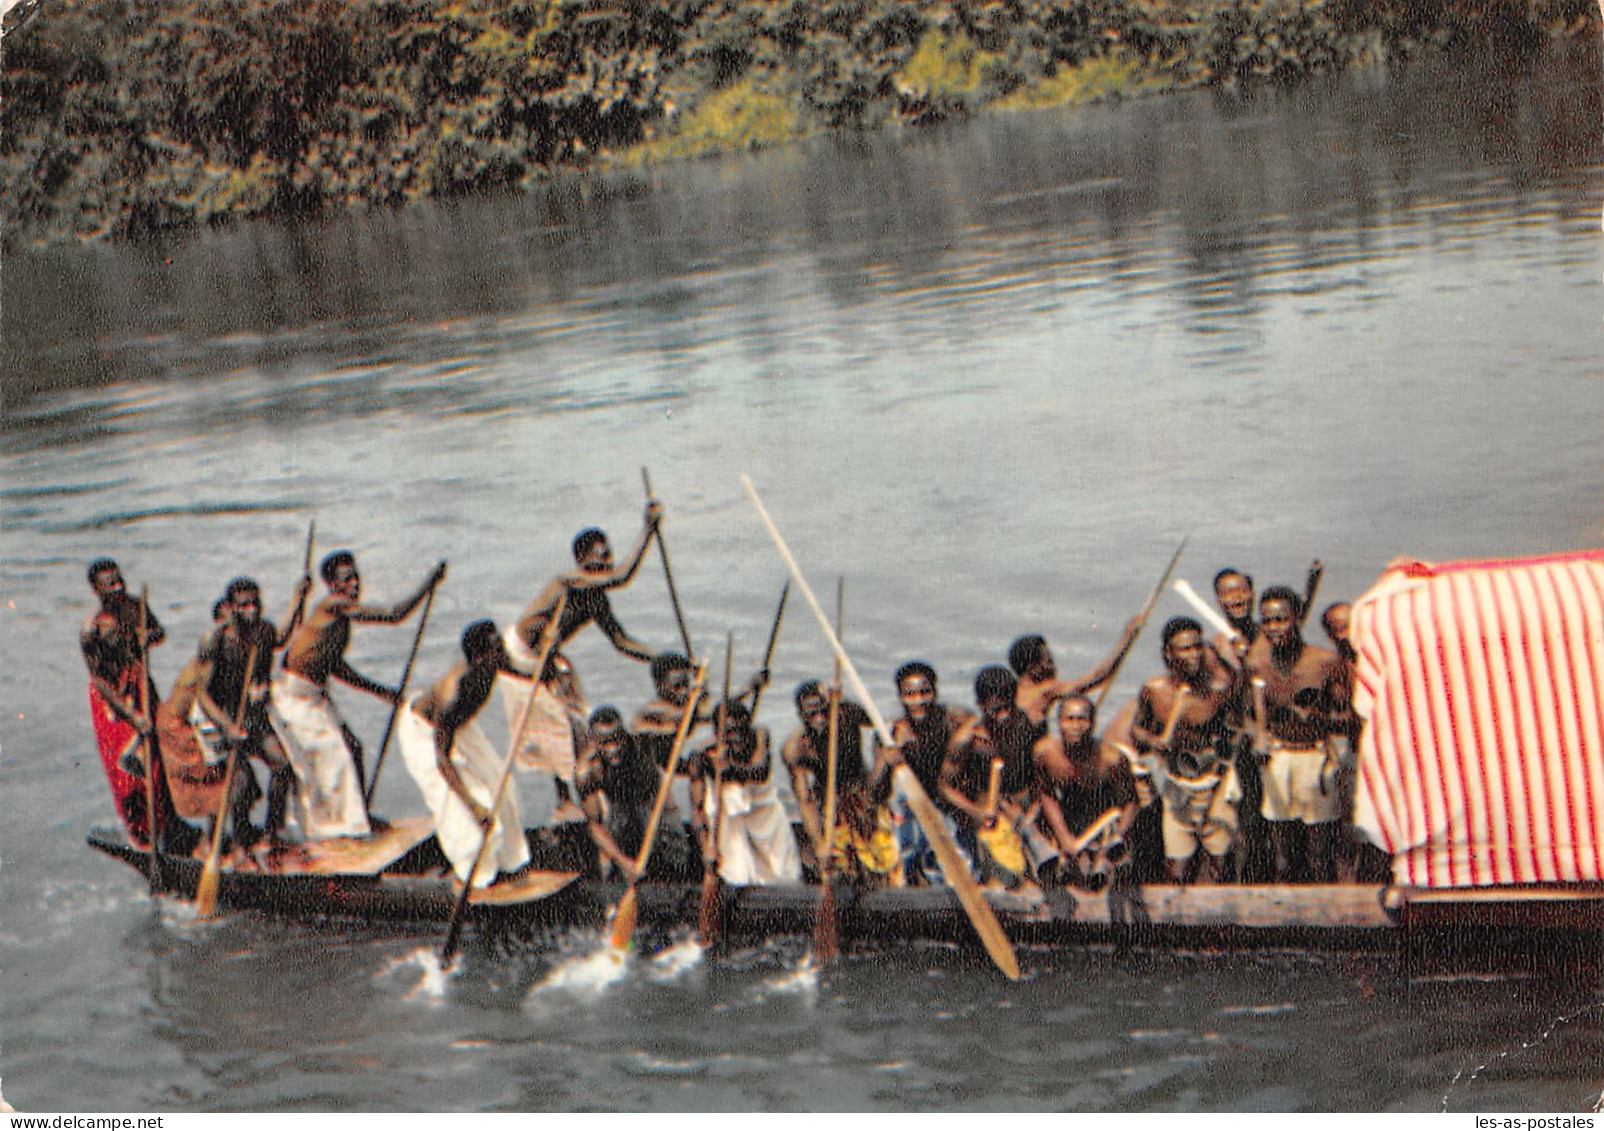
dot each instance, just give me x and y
(712, 908)
(826, 940)
(624, 920)
(206, 890)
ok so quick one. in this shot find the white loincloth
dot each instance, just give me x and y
(329, 800)
(755, 844)
(1198, 812)
(479, 767)
(549, 739)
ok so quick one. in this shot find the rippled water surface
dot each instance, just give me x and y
(990, 375)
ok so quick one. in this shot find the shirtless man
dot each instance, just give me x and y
(115, 649)
(863, 841)
(1305, 702)
(226, 685)
(1078, 784)
(458, 770)
(1192, 763)
(586, 586)
(754, 840)
(617, 789)
(325, 754)
(655, 723)
(1002, 733)
(1233, 592)
(1039, 685)
(920, 740)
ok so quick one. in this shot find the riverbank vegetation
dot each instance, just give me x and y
(128, 117)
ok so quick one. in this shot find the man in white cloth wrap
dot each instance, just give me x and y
(456, 767)
(324, 752)
(755, 843)
(548, 743)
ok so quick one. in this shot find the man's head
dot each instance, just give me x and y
(916, 687)
(1029, 657)
(1280, 610)
(591, 550)
(734, 724)
(339, 574)
(1335, 620)
(608, 733)
(1077, 718)
(995, 688)
(811, 705)
(1183, 646)
(482, 646)
(106, 579)
(244, 599)
(672, 676)
(1233, 590)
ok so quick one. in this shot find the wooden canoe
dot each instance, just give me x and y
(398, 876)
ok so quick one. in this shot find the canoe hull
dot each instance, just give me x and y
(1315, 917)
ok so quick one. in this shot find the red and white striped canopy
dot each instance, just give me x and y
(1482, 683)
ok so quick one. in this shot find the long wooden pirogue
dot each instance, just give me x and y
(398, 877)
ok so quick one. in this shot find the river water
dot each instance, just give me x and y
(989, 375)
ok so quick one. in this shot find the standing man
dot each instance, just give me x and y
(1181, 728)
(115, 649)
(1004, 736)
(754, 840)
(920, 739)
(1039, 685)
(226, 686)
(863, 840)
(1301, 698)
(617, 789)
(456, 767)
(548, 743)
(1078, 785)
(326, 755)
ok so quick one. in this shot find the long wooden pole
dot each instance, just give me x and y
(211, 873)
(448, 950)
(712, 882)
(400, 698)
(624, 918)
(147, 740)
(768, 653)
(1141, 622)
(668, 574)
(925, 812)
(826, 939)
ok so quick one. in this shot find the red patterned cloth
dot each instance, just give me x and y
(114, 734)
(1483, 686)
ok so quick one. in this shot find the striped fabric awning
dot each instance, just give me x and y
(1482, 687)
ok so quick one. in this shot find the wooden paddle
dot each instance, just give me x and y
(925, 812)
(826, 935)
(211, 873)
(400, 698)
(624, 917)
(146, 740)
(668, 574)
(712, 882)
(448, 949)
(768, 653)
(1141, 622)
(306, 570)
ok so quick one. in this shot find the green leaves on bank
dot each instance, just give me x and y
(127, 117)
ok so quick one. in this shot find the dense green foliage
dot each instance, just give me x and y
(131, 116)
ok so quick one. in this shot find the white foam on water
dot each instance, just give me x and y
(585, 975)
(672, 963)
(432, 977)
(803, 980)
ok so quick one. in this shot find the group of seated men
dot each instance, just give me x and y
(1235, 763)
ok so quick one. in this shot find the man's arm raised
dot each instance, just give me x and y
(373, 614)
(624, 573)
